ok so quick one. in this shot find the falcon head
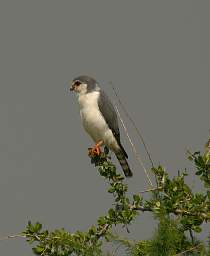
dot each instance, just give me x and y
(84, 84)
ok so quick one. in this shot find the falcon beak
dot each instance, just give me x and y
(72, 87)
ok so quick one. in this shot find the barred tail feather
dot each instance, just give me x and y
(124, 164)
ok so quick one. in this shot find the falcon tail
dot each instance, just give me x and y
(123, 162)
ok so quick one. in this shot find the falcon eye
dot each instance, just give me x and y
(77, 83)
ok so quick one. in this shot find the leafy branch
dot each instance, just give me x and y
(178, 209)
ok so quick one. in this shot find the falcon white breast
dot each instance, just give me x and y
(94, 122)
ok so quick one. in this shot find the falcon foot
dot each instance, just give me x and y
(96, 150)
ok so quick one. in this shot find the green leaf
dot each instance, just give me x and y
(111, 190)
(157, 204)
(137, 198)
(38, 250)
(190, 157)
(197, 229)
(37, 227)
(199, 172)
(102, 221)
(112, 213)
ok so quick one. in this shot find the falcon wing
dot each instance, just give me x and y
(110, 116)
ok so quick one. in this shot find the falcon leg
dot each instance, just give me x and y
(96, 150)
(106, 150)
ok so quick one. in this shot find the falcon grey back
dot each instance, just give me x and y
(99, 118)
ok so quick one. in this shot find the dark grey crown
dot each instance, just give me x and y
(92, 84)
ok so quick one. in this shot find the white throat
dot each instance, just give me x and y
(88, 100)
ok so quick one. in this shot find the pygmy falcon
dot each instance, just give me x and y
(99, 119)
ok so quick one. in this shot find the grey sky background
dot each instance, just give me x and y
(157, 53)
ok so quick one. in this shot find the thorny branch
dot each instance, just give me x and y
(172, 196)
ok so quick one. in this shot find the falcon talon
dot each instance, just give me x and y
(94, 152)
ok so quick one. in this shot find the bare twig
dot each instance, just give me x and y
(133, 123)
(133, 146)
(12, 236)
(141, 208)
(116, 249)
(103, 230)
(149, 190)
(191, 235)
(188, 250)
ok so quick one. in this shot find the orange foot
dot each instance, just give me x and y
(96, 150)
